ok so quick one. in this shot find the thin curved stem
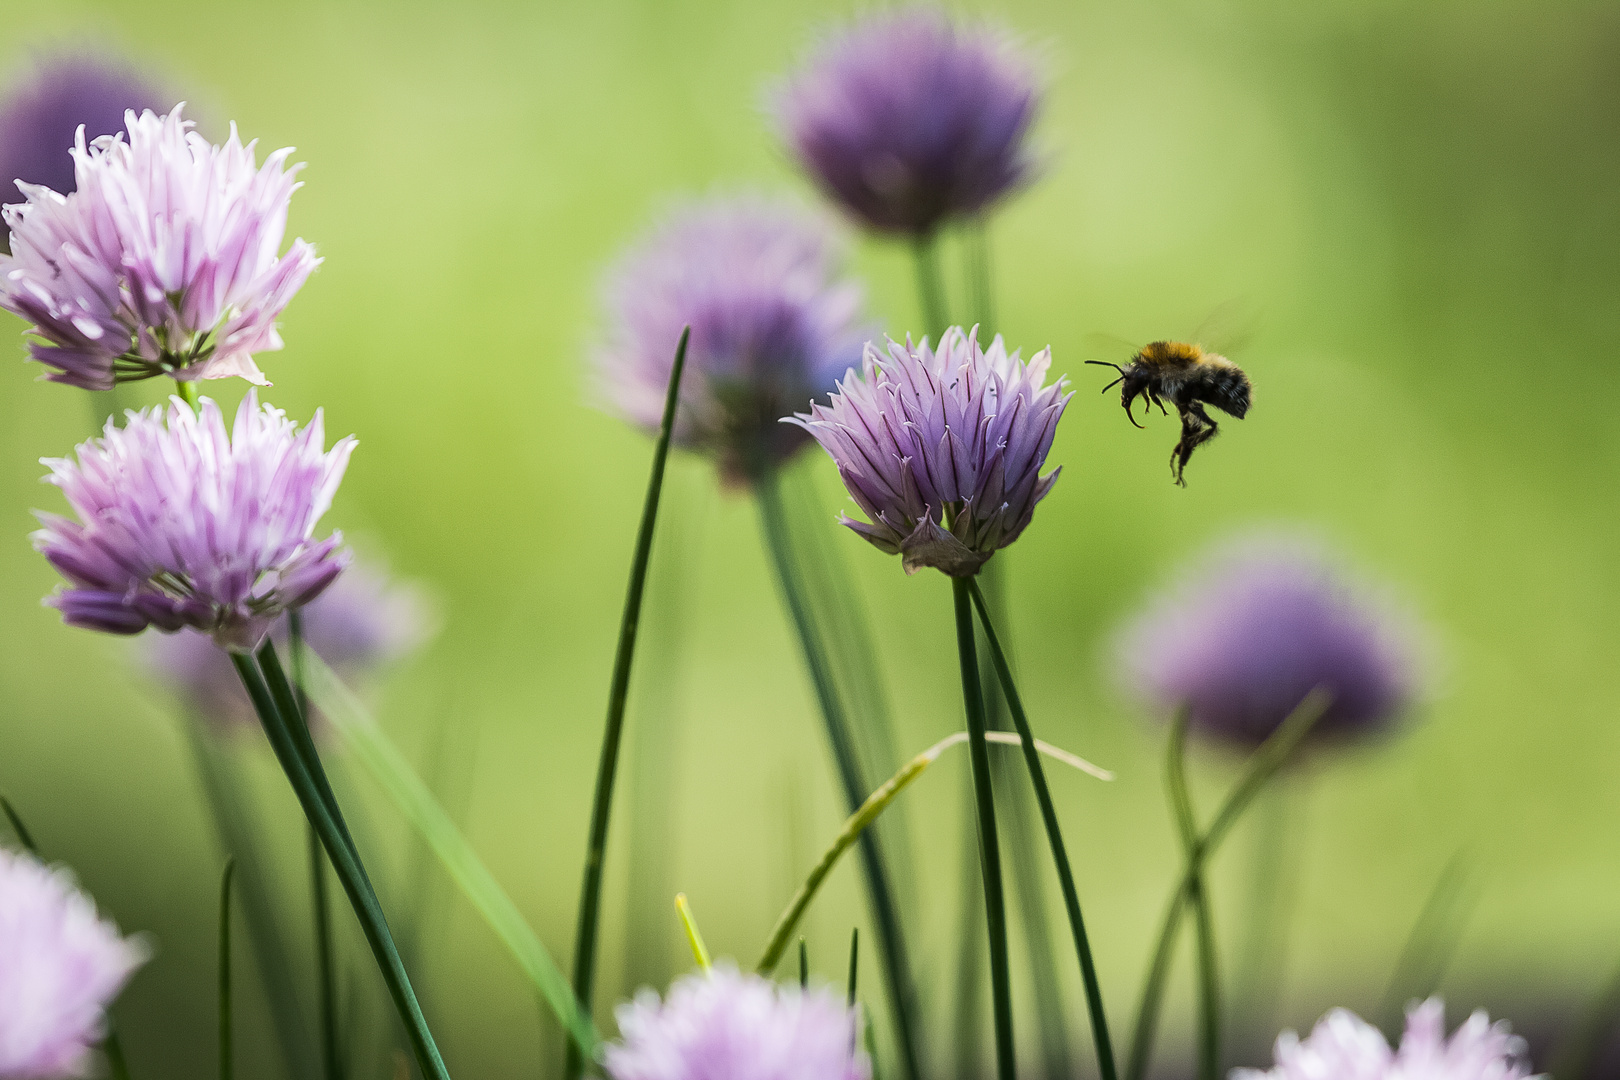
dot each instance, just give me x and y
(995, 909)
(272, 698)
(1263, 764)
(225, 1057)
(1054, 835)
(590, 899)
(1209, 1010)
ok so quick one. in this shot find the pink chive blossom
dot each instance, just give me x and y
(183, 524)
(909, 119)
(726, 1026)
(943, 449)
(61, 965)
(1345, 1047)
(774, 320)
(163, 261)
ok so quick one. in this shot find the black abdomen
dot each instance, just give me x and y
(1226, 388)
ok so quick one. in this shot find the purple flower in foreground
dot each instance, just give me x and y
(60, 966)
(162, 262)
(943, 449)
(361, 622)
(181, 524)
(908, 120)
(726, 1026)
(1345, 1047)
(1260, 625)
(40, 117)
(773, 326)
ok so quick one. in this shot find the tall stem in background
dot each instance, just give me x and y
(930, 285)
(995, 910)
(1054, 836)
(1209, 1003)
(590, 899)
(880, 890)
(1262, 766)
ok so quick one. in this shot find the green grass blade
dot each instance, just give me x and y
(225, 1057)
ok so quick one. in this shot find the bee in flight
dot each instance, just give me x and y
(1189, 378)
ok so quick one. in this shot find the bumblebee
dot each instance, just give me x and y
(1189, 378)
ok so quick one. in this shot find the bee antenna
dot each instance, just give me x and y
(1113, 384)
(1107, 363)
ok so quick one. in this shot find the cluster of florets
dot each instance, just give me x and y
(181, 523)
(725, 1026)
(943, 448)
(1345, 1047)
(909, 120)
(162, 261)
(774, 324)
(60, 965)
(1256, 627)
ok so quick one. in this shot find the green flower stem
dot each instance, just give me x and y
(325, 970)
(995, 909)
(930, 285)
(225, 1058)
(891, 940)
(1054, 835)
(875, 804)
(383, 760)
(1263, 765)
(590, 899)
(1209, 1004)
(308, 781)
(187, 389)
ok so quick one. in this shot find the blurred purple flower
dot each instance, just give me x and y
(40, 117)
(773, 326)
(1256, 628)
(180, 524)
(726, 1026)
(162, 262)
(1345, 1047)
(361, 622)
(956, 438)
(60, 967)
(908, 120)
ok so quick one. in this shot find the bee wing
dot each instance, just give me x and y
(1229, 328)
(1108, 347)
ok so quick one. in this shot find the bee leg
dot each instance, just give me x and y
(1159, 402)
(1196, 430)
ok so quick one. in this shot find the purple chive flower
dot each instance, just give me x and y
(726, 1026)
(40, 117)
(1258, 626)
(162, 262)
(774, 324)
(361, 622)
(1345, 1047)
(908, 120)
(943, 449)
(60, 967)
(181, 524)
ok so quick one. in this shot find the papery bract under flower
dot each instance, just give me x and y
(163, 261)
(773, 326)
(909, 120)
(943, 448)
(60, 967)
(362, 621)
(1260, 624)
(181, 524)
(726, 1026)
(1345, 1047)
(41, 116)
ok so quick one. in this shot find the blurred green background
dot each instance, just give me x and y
(1418, 200)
